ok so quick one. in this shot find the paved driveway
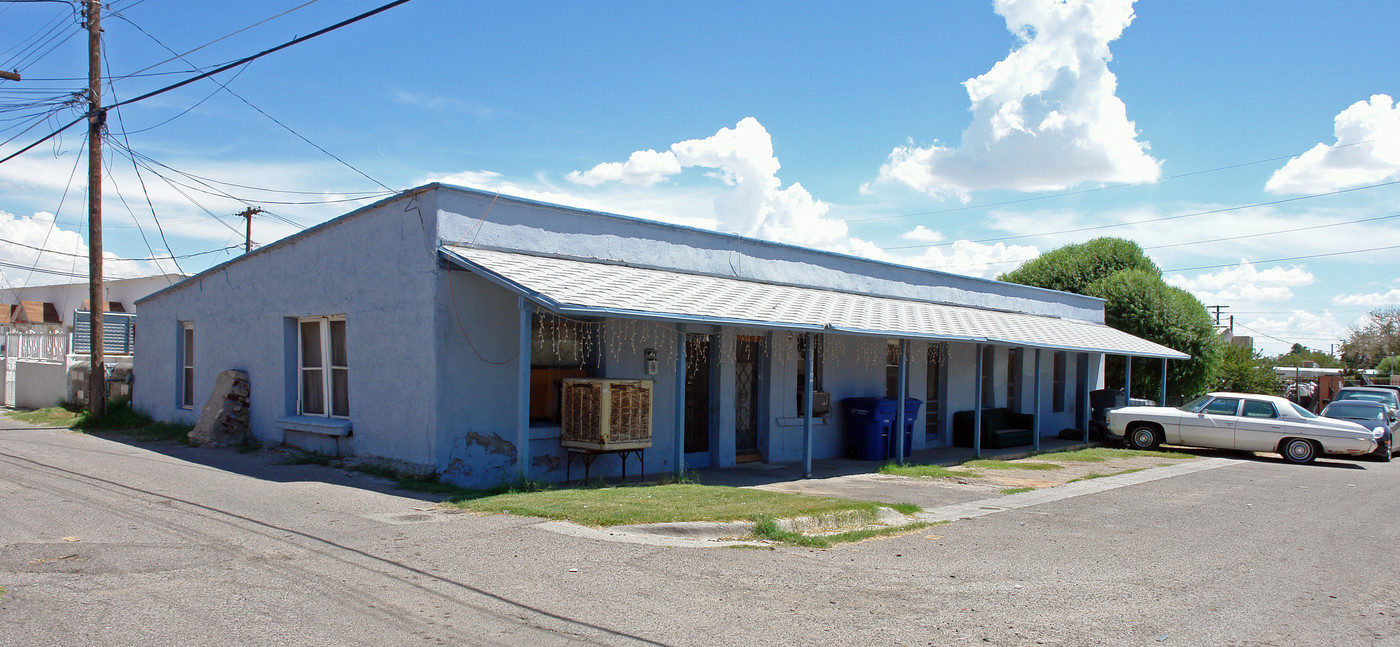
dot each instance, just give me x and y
(106, 543)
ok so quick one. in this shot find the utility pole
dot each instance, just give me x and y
(1217, 310)
(248, 239)
(97, 117)
(9, 76)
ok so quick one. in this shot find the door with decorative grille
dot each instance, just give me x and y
(697, 394)
(748, 350)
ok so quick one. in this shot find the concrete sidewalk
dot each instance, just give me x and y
(754, 474)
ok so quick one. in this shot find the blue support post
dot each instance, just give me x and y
(807, 388)
(977, 409)
(1035, 425)
(1163, 400)
(897, 433)
(522, 413)
(1128, 377)
(1084, 402)
(679, 458)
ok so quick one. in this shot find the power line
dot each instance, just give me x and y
(1280, 260)
(1193, 214)
(121, 121)
(248, 59)
(224, 86)
(181, 57)
(55, 252)
(1275, 232)
(223, 68)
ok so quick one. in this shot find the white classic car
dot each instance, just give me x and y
(1243, 421)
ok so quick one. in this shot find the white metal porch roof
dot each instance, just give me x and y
(596, 288)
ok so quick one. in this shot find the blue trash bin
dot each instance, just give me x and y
(911, 415)
(868, 424)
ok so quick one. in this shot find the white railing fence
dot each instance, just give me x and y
(46, 346)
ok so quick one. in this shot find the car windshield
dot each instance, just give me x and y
(1368, 396)
(1195, 405)
(1354, 411)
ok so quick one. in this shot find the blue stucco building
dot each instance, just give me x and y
(434, 328)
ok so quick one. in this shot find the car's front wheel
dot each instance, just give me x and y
(1383, 452)
(1299, 450)
(1144, 437)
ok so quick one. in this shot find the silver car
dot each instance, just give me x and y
(1371, 415)
(1243, 421)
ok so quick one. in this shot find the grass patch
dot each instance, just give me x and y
(768, 529)
(625, 505)
(924, 471)
(47, 417)
(991, 464)
(1101, 454)
(1017, 490)
(1095, 475)
(120, 418)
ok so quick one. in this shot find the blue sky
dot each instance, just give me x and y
(1246, 145)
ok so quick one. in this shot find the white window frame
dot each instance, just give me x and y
(327, 368)
(187, 365)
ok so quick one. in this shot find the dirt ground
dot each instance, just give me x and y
(996, 480)
(969, 483)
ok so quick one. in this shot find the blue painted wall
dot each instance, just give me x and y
(434, 351)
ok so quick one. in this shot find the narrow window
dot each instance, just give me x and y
(1013, 379)
(933, 393)
(1058, 393)
(988, 390)
(892, 370)
(323, 368)
(187, 365)
(559, 349)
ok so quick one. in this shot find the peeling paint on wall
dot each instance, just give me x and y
(479, 460)
(550, 462)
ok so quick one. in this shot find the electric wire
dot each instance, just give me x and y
(1281, 260)
(222, 68)
(55, 252)
(121, 123)
(117, 14)
(52, 223)
(1129, 223)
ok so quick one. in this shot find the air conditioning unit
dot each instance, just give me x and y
(604, 414)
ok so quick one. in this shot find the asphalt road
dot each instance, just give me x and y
(110, 543)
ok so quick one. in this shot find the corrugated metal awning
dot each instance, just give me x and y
(596, 288)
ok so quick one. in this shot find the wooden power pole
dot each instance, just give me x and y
(97, 117)
(248, 238)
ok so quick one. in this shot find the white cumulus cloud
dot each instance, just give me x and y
(36, 251)
(742, 158)
(1372, 300)
(973, 259)
(1367, 151)
(1275, 336)
(643, 168)
(1246, 283)
(922, 234)
(1044, 118)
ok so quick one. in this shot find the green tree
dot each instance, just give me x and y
(1137, 301)
(1245, 371)
(1298, 354)
(1073, 268)
(1389, 366)
(1376, 338)
(1140, 303)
